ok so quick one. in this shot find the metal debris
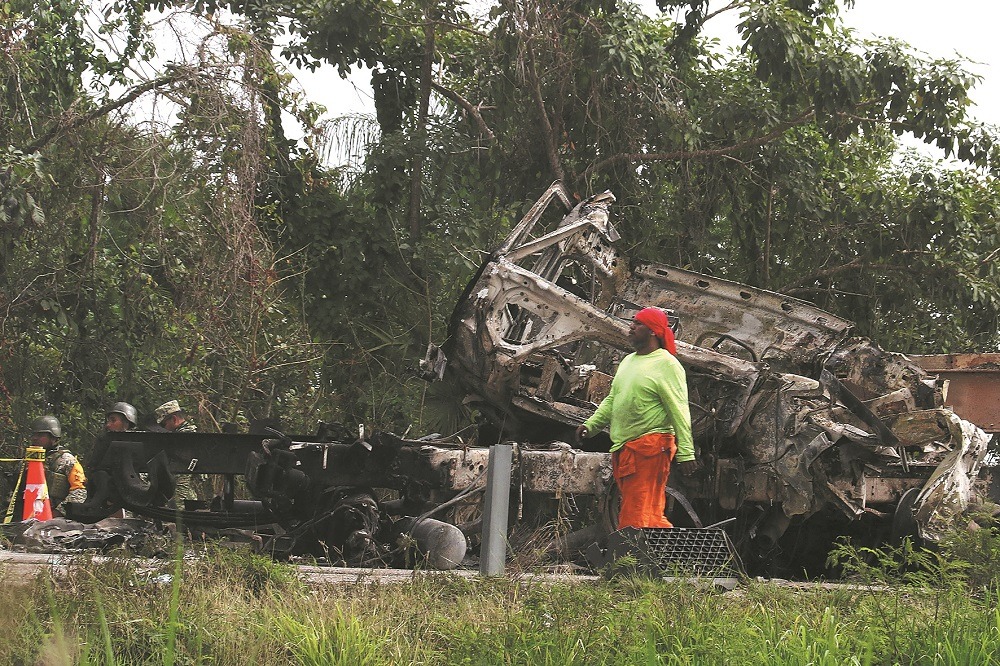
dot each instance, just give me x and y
(793, 419)
(61, 535)
(676, 552)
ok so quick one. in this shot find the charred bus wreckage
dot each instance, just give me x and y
(803, 432)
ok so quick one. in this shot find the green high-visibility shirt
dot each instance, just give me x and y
(648, 394)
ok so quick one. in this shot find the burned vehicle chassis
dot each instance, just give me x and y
(356, 502)
(306, 494)
(797, 424)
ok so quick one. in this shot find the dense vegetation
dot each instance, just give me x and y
(162, 236)
(906, 606)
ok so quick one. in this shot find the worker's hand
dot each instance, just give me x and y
(688, 467)
(581, 433)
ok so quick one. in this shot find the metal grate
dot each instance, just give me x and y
(669, 551)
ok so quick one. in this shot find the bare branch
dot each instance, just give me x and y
(639, 158)
(469, 107)
(791, 287)
(525, 23)
(70, 123)
(711, 15)
(416, 170)
(798, 286)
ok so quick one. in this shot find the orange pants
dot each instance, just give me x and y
(641, 468)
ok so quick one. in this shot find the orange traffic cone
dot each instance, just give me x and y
(36, 492)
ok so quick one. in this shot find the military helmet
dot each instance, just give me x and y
(126, 410)
(49, 424)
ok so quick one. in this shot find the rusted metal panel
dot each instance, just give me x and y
(442, 468)
(561, 469)
(564, 471)
(973, 385)
(737, 319)
(882, 490)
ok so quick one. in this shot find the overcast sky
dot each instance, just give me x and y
(967, 28)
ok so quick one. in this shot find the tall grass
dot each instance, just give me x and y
(170, 639)
(909, 606)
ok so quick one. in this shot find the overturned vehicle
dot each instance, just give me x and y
(804, 433)
(346, 497)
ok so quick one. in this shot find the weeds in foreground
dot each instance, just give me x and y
(908, 606)
(335, 640)
(170, 641)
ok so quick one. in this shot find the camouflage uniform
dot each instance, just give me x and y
(64, 477)
(185, 489)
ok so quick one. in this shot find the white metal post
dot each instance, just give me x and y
(493, 552)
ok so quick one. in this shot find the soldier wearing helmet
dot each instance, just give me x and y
(172, 418)
(63, 472)
(122, 417)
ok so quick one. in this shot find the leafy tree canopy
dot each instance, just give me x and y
(209, 256)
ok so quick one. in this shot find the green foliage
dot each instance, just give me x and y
(147, 276)
(772, 168)
(976, 541)
(257, 575)
(116, 614)
(340, 640)
(904, 564)
(215, 260)
(944, 577)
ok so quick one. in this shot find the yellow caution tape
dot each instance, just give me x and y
(9, 517)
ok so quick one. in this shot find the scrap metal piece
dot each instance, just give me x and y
(736, 319)
(61, 535)
(433, 364)
(972, 385)
(948, 491)
(844, 395)
(660, 552)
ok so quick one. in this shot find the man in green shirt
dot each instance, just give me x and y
(647, 409)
